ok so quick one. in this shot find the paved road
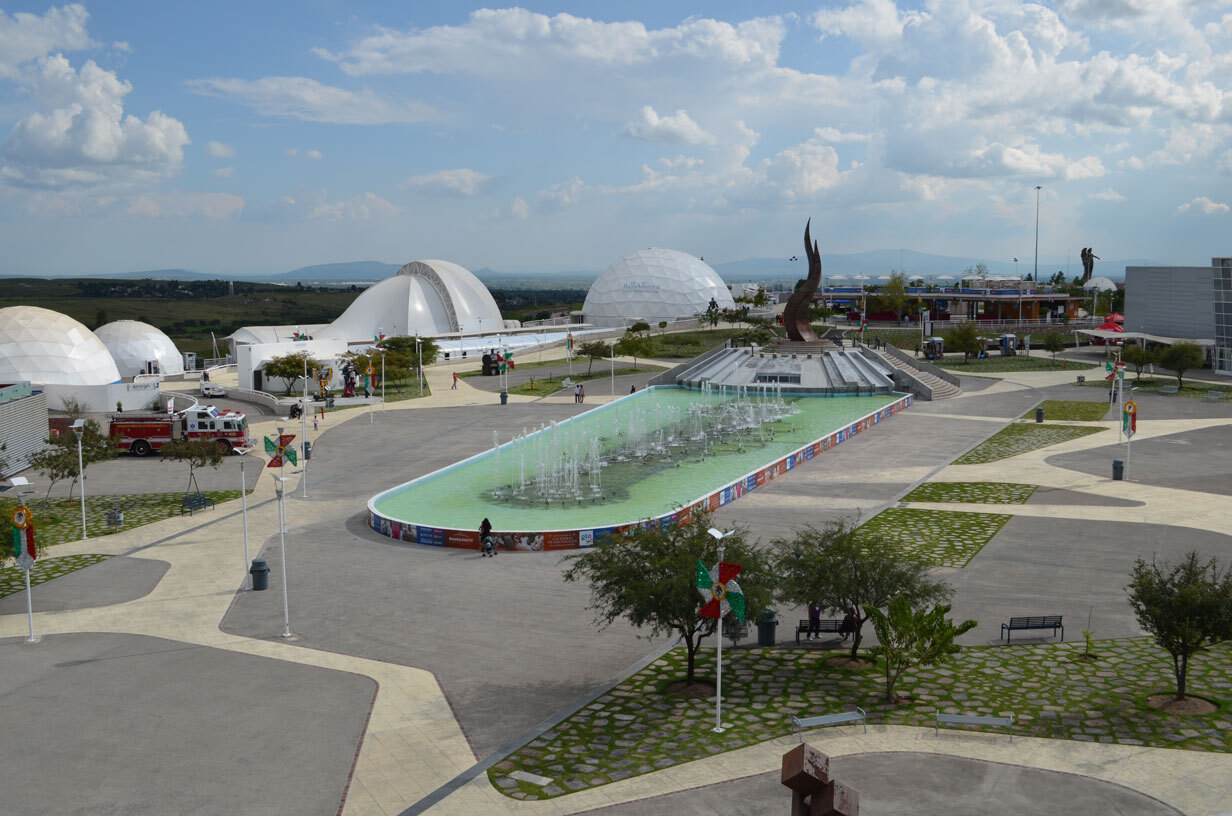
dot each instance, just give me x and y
(1198, 460)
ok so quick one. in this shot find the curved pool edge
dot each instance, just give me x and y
(580, 538)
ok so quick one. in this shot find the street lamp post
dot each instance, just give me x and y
(418, 367)
(1037, 192)
(382, 381)
(78, 426)
(280, 487)
(303, 415)
(1019, 277)
(719, 535)
(241, 452)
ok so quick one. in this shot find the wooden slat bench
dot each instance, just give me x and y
(195, 501)
(798, 724)
(1169, 389)
(973, 719)
(833, 625)
(1052, 622)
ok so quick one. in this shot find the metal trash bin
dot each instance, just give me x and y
(307, 450)
(260, 574)
(1039, 414)
(504, 398)
(1118, 469)
(767, 623)
(329, 402)
(1081, 379)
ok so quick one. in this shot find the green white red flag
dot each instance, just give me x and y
(719, 590)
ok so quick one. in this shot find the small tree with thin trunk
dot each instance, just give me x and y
(1139, 357)
(965, 338)
(1054, 344)
(912, 637)
(648, 577)
(594, 350)
(58, 460)
(196, 453)
(290, 367)
(1180, 357)
(634, 345)
(1186, 608)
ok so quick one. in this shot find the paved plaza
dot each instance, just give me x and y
(159, 686)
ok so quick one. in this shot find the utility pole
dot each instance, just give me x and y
(1037, 192)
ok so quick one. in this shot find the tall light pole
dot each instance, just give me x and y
(382, 381)
(418, 366)
(303, 415)
(1019, 284)
(719, 535)
(78, 426)
(1037, 192)
(280, 487)
(241, 452)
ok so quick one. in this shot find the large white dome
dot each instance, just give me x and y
(50, 348)
(132, 343)
(429, 297)
(652, 285)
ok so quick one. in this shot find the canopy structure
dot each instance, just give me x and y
(1105, 334)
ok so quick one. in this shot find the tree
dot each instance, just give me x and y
(893, 295)
(843, 569)
(196, 453)
(594, 350)
(634, 345)
(1054, 343)
(966, 339)
(639, 327)
(649, 577)
(428, 349)
(58, 460)
(1184, 607)
(1180, 357)
(1139, 357)
(909, 637)
(290, 367)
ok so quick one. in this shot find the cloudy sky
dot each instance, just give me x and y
(257, 137)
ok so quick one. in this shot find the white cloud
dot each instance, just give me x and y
(306, 154)
(217, 206)
(1224, 165)
(518, 208)
(223, 172)
(1107, 194)
(316, 155)
(27, 37)
(462, 181)
(291, 151)
(362, 207)
(219, 150)
(675, 129)
(873, 23)
(561, 195)
(82, 135)
(310, 101)
(1204, 204)
(122, 45)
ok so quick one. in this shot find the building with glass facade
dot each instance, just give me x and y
(1192, 302)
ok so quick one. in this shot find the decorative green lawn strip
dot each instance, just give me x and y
(947, 538)
(1021, 438)
(972, 492)
(1071, 410)
(59, 520)
(1005, 365)
(13, 580)
(1053, 692)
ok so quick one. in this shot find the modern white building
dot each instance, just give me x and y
(653, 285)
(1184, 302)
(48, 348)
(134, 345)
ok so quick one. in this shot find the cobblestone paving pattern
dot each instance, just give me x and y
(12, 580)
(1020, 438)
(1053, 691)
(972, 492)
(1071, 410)
(946, 538)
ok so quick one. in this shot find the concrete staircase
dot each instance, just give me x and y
(941, 388)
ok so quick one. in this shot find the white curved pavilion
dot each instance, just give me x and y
(49, 348)
(132, 344)
(652, 285)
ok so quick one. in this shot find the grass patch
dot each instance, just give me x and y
(905, 339)
(972, 492)
(59, 520)
(689, 344)
(1071, 410)
(947, 538)
(561, 362)
(550, 385)
(1021, 438)
(1005, 365)
(12, 579)
(1151, 385)
(636, 729)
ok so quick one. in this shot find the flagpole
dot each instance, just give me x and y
(718, 691)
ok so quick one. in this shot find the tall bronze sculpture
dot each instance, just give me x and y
(795, 315)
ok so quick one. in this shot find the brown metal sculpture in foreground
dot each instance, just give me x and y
(813, 791)
(795, 315)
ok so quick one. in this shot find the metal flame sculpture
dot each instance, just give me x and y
(795, 315)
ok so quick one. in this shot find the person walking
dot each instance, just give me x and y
(485, 538)
(814, 621)
(314, 422)
(577, 393)
(454, 387)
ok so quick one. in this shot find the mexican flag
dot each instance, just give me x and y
(719, 590)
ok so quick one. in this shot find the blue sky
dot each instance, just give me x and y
(244, 138)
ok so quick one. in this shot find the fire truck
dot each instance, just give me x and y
(141, 434)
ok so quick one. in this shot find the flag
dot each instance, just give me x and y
(509, 359)
(720, 591)
(500, 361)
(569, 341)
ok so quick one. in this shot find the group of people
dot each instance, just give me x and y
(845, 629)
(579, 393)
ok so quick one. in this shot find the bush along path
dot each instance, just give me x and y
(1052, 690)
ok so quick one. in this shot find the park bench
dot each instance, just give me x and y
(1052, 622)
(1169, 389)
(735, 631)
(833, 625)
(1214, 396)
(798, 724)
(195, 501)
(973, 719)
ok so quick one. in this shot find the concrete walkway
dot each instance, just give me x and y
(413, 744)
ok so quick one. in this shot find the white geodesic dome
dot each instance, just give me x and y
(428, 297)
(133, 343)
(50, 348)
(653, 285)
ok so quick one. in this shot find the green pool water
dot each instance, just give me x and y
(460, 496)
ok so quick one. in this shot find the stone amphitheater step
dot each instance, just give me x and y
(942, 389)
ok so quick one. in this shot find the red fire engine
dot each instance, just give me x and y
(140, 434)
